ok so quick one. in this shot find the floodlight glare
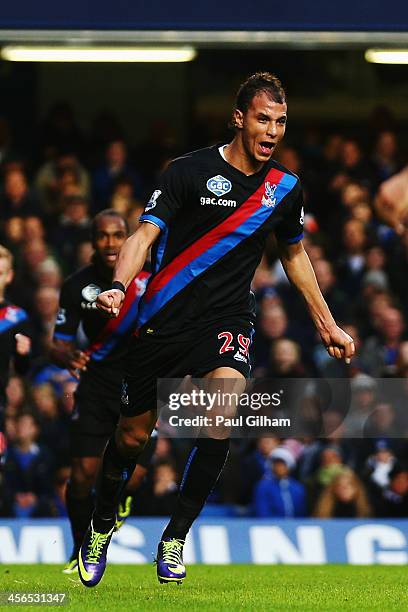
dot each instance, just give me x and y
(15, 53)
(387, 56)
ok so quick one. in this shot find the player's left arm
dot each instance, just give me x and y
(299, 271)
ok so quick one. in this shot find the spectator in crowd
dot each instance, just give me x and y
(362, 211)
(84, 254)
(33, 229)
(45, 311)
(105, 128)
(289, 157)
(53, 424)
(263, 280)
(49, 274)
(10, 431)
(343, 497)
(369, 312)
(256, 464)
(124, 201)
(376, 259)
(24, 285)
(382, 422)
(286, 359)
(73, 229)
(385, 158)
(16, 395)
(371, 282)
(392, 501)
(379, 465)
(330, 465)
(159, 497)
(278, 494)
(336, 299)
(380, 352)
(17, 199)
(116, 167)
(273, 324)
(322, 458)
(350, 266)
(45, 372)
(53, 505)
(353, 166)
(53, 177)
(13, 235)
(352, 194)
(363, 399)
(59, 131)
(28, 469)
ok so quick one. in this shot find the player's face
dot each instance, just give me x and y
(109, 238)
(6, 274)
(262, 127)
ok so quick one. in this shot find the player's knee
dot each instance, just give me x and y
(132, 441)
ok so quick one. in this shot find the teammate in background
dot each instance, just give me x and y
(15, 343)
(208, 221)
(99, 370)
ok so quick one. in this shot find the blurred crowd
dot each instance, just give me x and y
(48, 196)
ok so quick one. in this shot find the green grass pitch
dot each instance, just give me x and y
(213, 588)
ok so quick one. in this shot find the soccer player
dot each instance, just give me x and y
(207, 221)
(98, 367)
(15, 342)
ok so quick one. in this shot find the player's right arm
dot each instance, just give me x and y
(165, 203)
(130, 262)
(64, 354)
(63, 351)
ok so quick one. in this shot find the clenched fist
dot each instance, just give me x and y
(338, 343)
(110, 301)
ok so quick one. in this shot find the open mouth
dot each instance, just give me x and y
(111, 256)
(266, 147)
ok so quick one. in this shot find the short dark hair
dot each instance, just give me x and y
(256, 84)
(108, 212)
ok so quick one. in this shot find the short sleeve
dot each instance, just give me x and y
(290, 229)
(68, 316)
(169, 197)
